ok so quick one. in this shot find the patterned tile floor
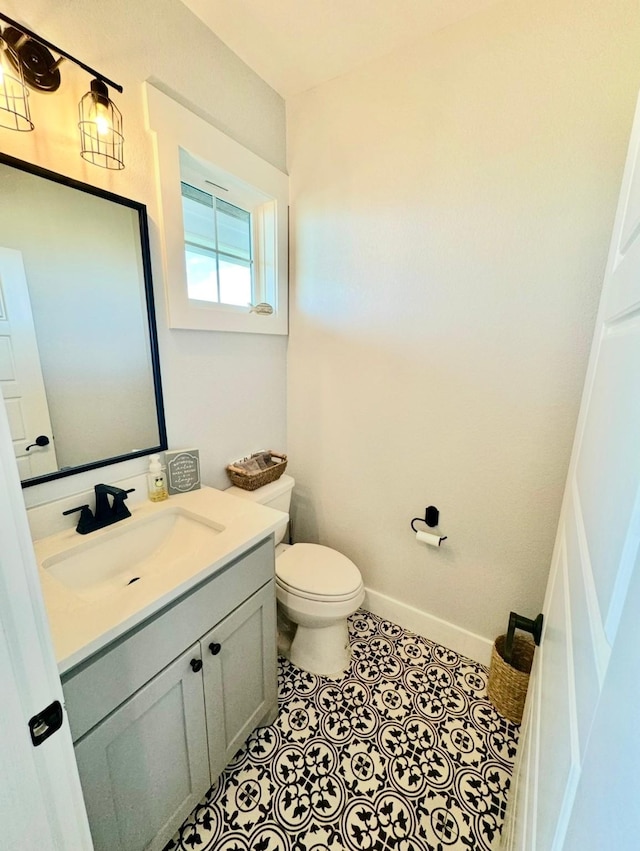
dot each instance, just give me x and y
(403, 753)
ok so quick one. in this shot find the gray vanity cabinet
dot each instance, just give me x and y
(239, 687)
(145, 767)
(154, 724)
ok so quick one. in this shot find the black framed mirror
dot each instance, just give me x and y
(79, 364)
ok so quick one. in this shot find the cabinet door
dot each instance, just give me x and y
(145, 767)
(240, 675)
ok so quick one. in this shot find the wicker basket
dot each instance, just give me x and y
(252, 481)
(507, 686)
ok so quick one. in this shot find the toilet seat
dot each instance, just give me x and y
(314, 572)
(321, 598)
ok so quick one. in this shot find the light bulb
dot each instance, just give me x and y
(101, 119)
(99, 114)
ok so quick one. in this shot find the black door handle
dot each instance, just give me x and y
(196, 665)
(517, 621)
(41, 440)
(215, 648)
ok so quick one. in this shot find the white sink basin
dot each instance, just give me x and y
(168, 548)
(124, 554)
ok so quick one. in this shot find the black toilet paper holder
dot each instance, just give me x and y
(431, 517)
(517, 621)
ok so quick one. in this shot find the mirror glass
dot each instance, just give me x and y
(79, 368)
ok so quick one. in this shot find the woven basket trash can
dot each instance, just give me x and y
(507, 686)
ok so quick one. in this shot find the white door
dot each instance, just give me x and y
(580, 748)
(41, 804)
(20, 372)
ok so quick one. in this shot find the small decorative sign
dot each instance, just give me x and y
(183, 470)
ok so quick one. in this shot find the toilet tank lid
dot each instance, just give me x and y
(266, 493)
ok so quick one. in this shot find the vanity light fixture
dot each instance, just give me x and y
(26, 60)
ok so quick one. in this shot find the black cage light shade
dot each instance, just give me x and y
(100, 125)
(14, 97)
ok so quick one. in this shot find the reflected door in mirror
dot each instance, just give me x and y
(20, 373)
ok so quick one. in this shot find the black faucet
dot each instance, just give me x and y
(105, 512)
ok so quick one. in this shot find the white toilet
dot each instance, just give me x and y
(317, 588)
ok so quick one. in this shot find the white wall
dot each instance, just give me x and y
(224, 393)
(452, 206)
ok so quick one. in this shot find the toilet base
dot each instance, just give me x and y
(322, 650)
(286, 633)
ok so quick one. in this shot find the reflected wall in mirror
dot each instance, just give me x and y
(79, 368)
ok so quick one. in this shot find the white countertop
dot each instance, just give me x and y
(81, 627)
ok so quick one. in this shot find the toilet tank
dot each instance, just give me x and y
(276, 495)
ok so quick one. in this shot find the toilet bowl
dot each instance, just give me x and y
(317, 588)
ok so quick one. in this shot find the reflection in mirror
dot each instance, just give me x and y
(79, 368)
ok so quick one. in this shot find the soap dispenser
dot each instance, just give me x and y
(156, 480)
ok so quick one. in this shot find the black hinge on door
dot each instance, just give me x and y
(45, 723)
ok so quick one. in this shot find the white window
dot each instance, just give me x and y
(218, 247)
(225, 220)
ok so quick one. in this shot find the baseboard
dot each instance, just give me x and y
(449, 635)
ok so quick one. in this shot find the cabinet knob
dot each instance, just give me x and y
(196, 665)
(215, 648)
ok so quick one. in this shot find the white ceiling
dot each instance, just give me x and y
(297, 44)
